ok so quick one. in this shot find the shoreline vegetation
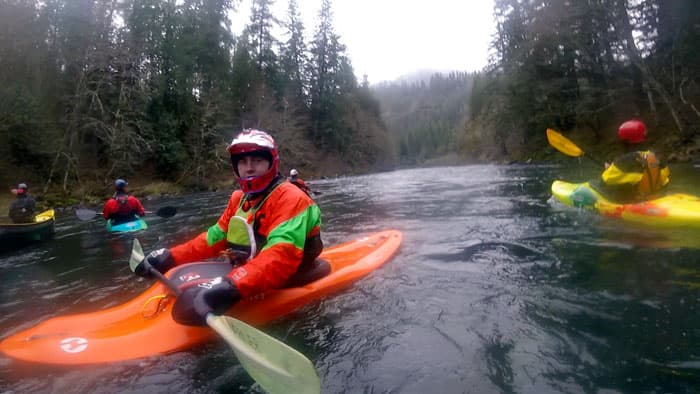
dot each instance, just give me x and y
(94, 196)
(87, 100)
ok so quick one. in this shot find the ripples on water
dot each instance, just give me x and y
(494, 290)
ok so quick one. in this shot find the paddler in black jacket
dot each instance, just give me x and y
(22, 209)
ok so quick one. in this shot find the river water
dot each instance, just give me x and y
(494, 290)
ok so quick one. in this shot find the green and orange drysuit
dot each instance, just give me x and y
(635, 176)
(287, 227)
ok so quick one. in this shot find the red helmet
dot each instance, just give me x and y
(632, 132)
(251, 141)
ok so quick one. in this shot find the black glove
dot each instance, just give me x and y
(160, 259)
(195, 303)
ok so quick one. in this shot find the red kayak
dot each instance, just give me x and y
(144, 327)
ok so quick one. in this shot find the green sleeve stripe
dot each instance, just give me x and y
(294, 230)
(215, 235)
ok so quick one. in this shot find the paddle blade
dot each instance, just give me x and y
(275, 366)
(136, 255)
(85, 214)
(563, 144)
(166, 212)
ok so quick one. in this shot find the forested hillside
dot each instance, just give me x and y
(91, 90)
(584, 67)
(425, 116)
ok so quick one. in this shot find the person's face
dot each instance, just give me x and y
(249, 166)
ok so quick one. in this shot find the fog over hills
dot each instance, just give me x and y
(423, 74)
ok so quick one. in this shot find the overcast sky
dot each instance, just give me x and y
(386, 39)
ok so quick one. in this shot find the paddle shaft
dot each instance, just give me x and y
(88, 214)
(278, 370)
(162, 278)
(594, 160)
(171, 286)
(231, 337)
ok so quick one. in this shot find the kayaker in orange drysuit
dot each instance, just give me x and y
(286, 224)
(635, 176)
(122, 207)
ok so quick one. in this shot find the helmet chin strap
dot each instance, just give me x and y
(251, 195)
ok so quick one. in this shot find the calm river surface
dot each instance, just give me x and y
(494, 290)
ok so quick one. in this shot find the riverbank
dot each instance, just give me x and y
(93, 196)
(5, 201)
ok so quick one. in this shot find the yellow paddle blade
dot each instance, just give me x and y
(563, 144)
(277, 367)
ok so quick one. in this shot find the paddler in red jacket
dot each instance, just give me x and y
(285, 222)
(122, 207)
(298, 182)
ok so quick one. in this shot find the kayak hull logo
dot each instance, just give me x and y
(74, 344)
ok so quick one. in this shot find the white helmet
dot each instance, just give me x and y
(293, 172)
(251, 141)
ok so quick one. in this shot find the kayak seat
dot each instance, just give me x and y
(620, 194)
(202, 271)
(117, 220)
(315, 271)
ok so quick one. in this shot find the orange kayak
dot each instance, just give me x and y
(144, 327)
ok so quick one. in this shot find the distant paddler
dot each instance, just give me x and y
(122, 207)
(298, 182)
(22, 209)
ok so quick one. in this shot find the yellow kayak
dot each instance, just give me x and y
(673, 210)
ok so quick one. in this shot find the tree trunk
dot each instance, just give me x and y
(631, 50)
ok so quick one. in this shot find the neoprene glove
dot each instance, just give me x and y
(195, 303)
(160, 259)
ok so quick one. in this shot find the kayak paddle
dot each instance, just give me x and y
(87, 214)
(566, 146)
(277, 367)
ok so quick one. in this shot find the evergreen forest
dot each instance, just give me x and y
(426, 114)
(584, 67)
(91, 90)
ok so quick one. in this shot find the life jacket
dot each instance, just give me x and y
(636, 176)
(125, 213)
(242, 236)
(654, 178)
(244, 241)
(22, 209)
